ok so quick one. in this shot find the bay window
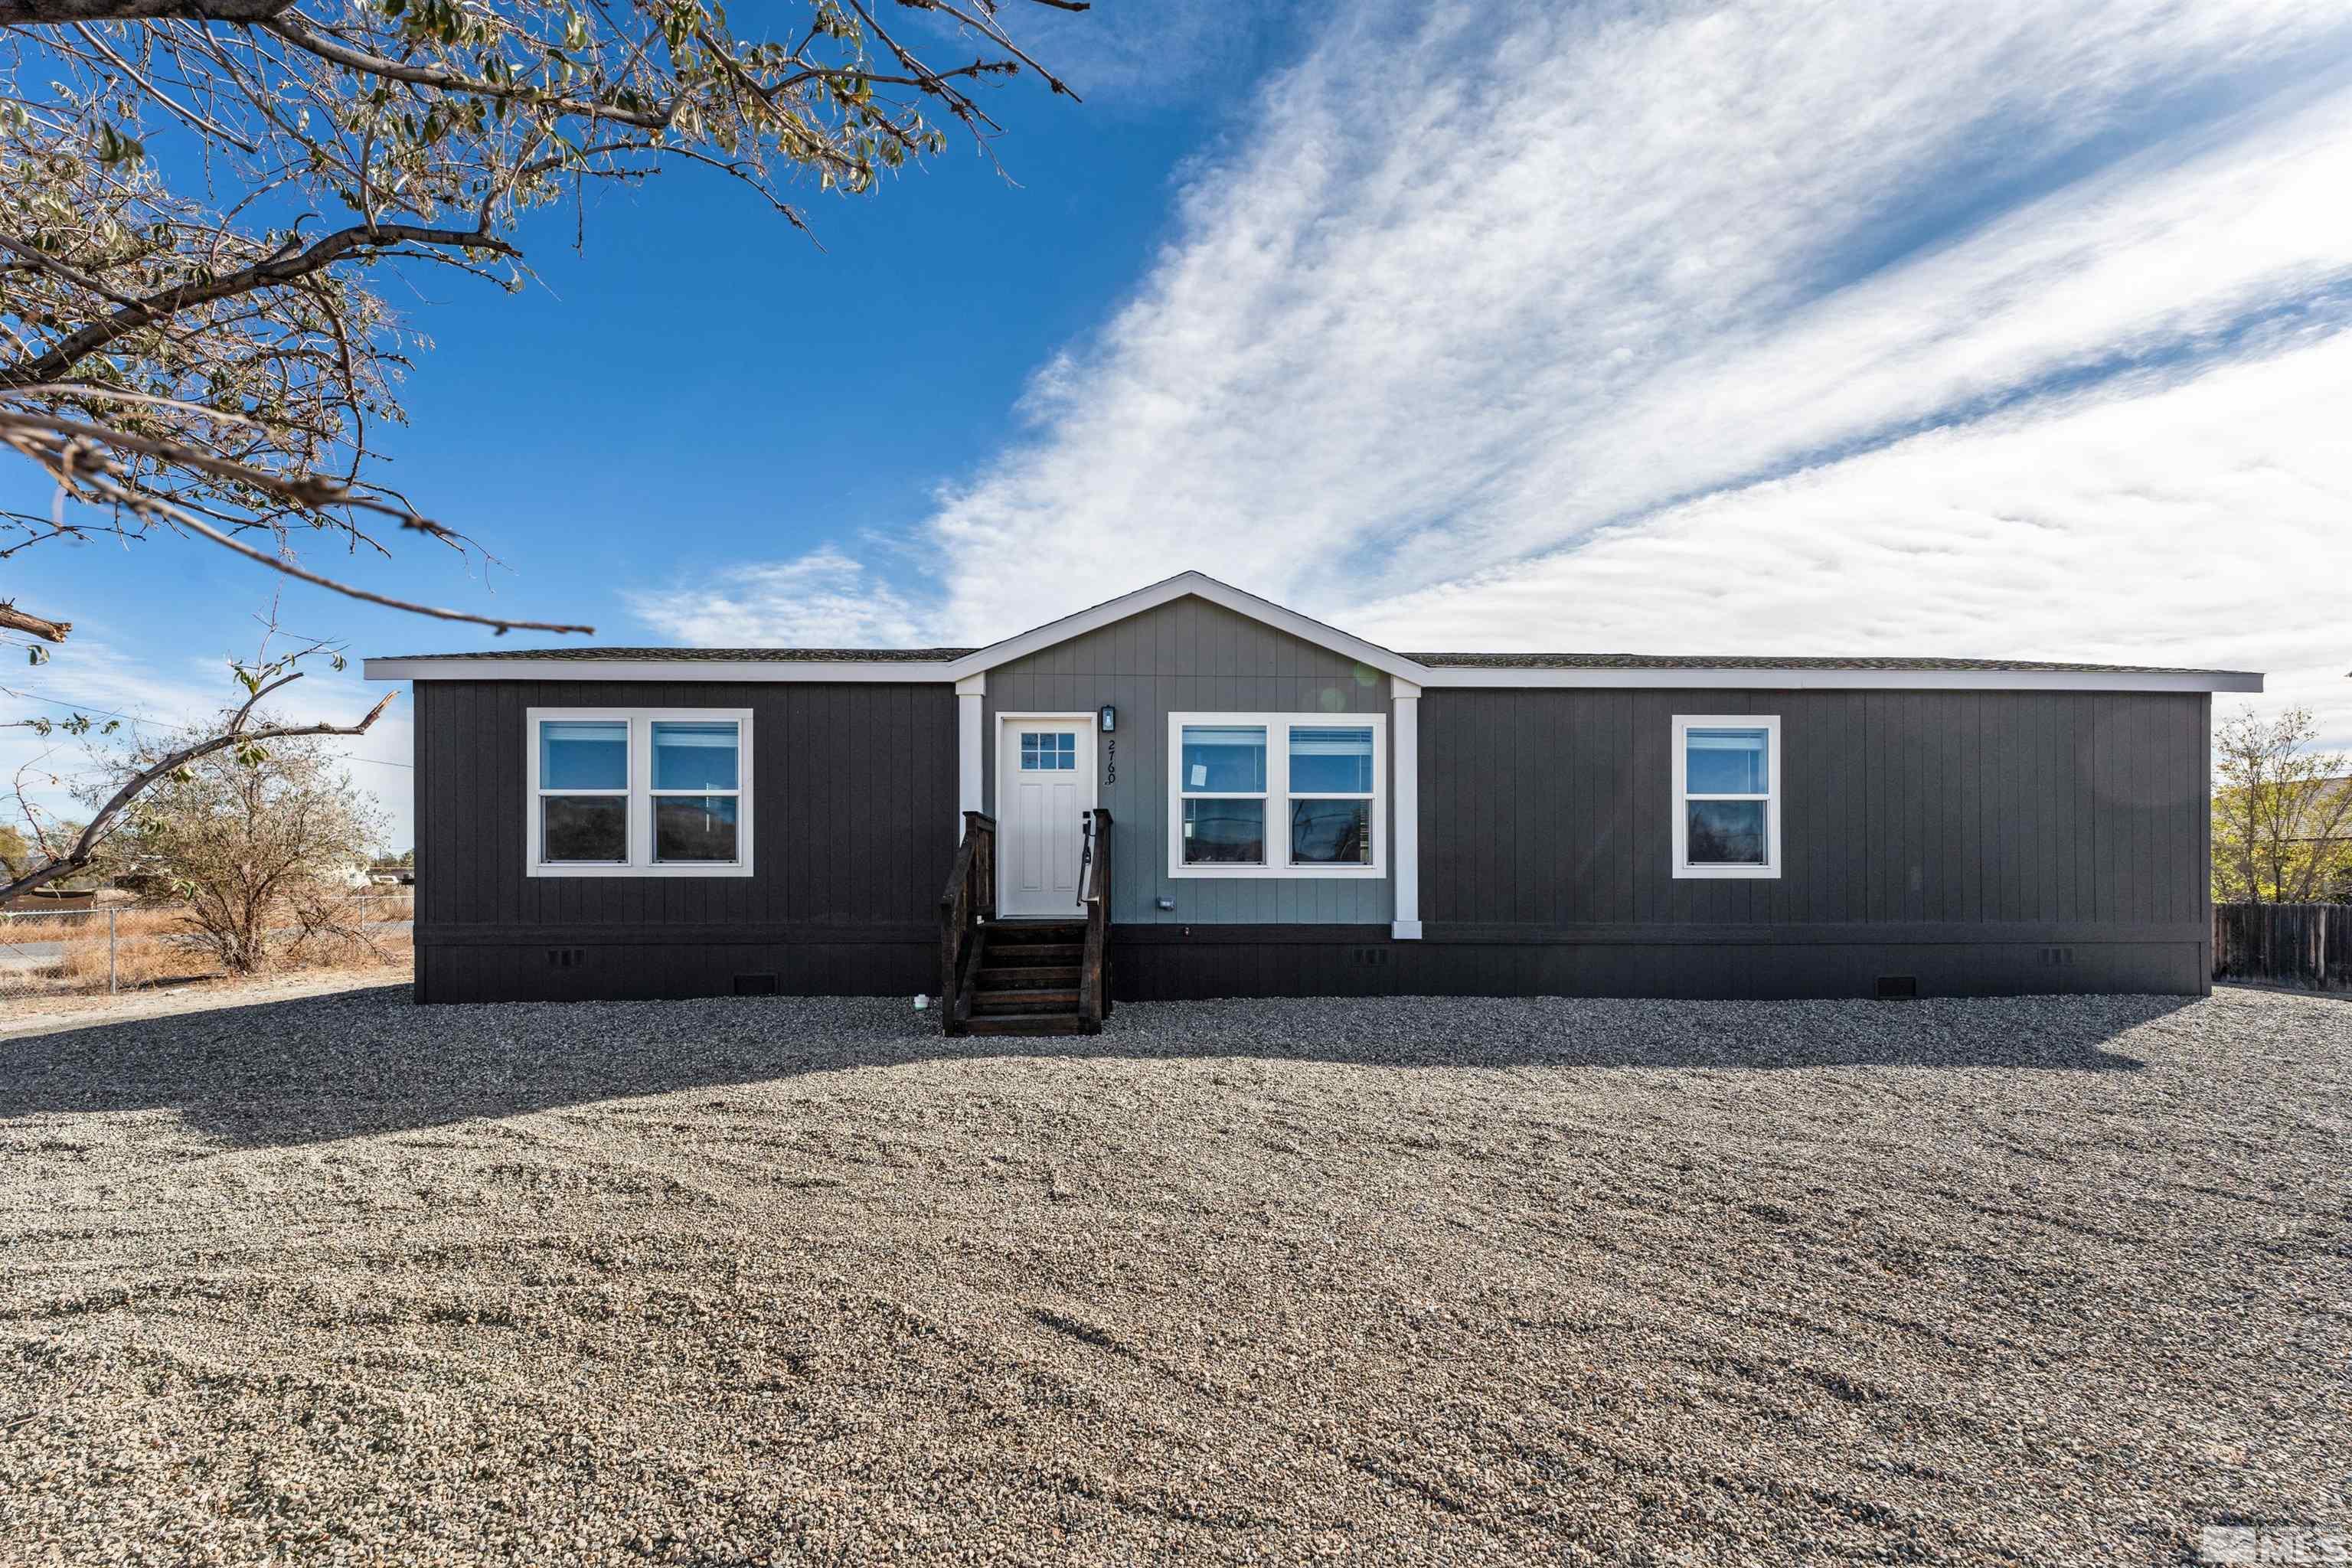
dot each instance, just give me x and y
(638, 793)
(1269, 794)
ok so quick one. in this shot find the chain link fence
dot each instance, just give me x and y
(115, 948)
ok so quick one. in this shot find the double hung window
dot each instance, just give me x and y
(1271, 795)
(647, 792)
(1727, 796)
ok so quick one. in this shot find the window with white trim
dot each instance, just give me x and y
(1727, 796)
(1277, 794)
(662, 792)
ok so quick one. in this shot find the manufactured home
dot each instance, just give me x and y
(1192, 792)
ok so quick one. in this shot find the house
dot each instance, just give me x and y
(1192, 791)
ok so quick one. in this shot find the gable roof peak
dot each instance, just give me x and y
(1193, 583)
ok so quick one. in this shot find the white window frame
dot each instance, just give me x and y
(641, 792)
(1277, 795)
(1770, 724)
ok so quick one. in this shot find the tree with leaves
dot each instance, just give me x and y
(2281, 812)
(202, 201)
(60, 849)
(259, 841)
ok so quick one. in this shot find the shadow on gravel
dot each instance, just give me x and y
(355, 1062)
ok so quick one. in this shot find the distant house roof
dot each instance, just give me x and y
(1594, 669)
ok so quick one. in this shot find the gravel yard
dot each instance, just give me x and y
(333, 1278)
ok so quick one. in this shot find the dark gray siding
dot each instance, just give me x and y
(1974, 843)
(2086, 811)
(1979, 843)
(1191, 655)
(854, 831)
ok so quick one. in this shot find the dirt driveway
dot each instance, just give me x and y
(333, 1278)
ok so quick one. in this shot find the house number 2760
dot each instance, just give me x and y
(1111, 761)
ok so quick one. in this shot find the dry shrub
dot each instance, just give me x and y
(258, 843)
(162, 945)
(147, 951)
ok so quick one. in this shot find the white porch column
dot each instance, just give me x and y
(1406, 727)
(972, 755)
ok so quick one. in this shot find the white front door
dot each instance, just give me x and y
(1045, 786)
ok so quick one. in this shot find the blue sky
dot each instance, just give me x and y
(1980, 329)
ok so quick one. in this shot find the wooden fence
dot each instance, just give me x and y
(2285, 944)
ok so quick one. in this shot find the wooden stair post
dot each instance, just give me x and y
(1038, 977)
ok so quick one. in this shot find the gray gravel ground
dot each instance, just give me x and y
(2048, 1280)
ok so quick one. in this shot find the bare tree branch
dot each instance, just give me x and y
(283, 269)
(85, 847)
(52, 13)
(16, 620)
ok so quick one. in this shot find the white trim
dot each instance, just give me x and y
(970, 763)
(1781, 679)
(1770, 724)
(640, 792)
(1399, 668)
(1405, 792)
(908, 672)
(996, 748)
(1277, 795)
(1198, 585)
(835, 671)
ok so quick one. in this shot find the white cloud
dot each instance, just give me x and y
(1965, 327)
(2038, 545)
(822, 599)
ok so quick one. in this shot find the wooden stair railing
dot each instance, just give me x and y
(1094, 963)
(1035, 976)
(970, 900)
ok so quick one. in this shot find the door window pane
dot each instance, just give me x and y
(1225, 758)
(1331, 832)
(1049, 753)
(1727, 762)
(1334, 762)
(592, 828)
(1224, 833)
(694, 756)
(575, 754)
(694, 827)
(1726, 832)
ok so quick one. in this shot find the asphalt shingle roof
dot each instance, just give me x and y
(1765, 661)
(723, 655)
(1434, 660)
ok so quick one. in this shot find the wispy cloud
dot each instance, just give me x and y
(822, 599)
(1137, 55)
(2190, 524)
(1491, 307)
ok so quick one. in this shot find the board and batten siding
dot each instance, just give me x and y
(1190, 657)
(1982, 841)
(854, 812)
